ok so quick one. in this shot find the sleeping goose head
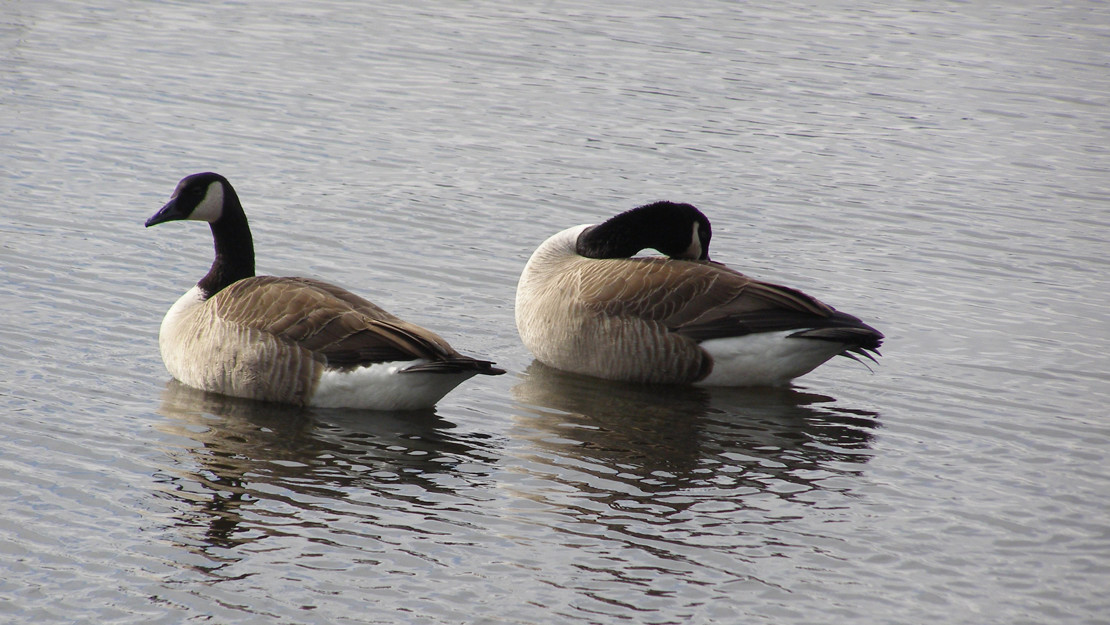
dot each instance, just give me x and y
(585, 304)
(676, 230)
(288, 339)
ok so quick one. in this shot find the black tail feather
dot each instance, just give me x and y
(456, 365)
(860, 339)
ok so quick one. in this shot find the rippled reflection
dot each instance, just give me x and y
(643, 442)
(253, 470)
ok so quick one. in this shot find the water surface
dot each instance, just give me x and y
(939, 170)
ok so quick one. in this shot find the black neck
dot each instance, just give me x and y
(234, 248)
(619, 237)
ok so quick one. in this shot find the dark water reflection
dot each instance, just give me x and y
(255, 467)
(666, 451)
(671, 429)
(659, 475)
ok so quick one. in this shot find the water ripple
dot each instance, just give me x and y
(939, 172)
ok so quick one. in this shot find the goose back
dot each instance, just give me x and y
(654, 319)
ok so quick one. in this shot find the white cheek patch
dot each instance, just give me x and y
(212, 206)
(694, 251)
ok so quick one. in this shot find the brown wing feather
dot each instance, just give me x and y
(339, 326)
(688, 294)
(357, 303)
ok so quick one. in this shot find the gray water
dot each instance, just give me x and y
(939, 169)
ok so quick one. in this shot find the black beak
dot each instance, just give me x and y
(169, 212)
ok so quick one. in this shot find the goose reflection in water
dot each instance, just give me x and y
(250, 469)
(646, 443)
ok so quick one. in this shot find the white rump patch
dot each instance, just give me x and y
(765, 359)
(385, 386)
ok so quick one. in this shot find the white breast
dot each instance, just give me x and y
(178, 331)
(211, 354)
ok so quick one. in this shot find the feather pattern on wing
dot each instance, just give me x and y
(685, 294)
(343, 328)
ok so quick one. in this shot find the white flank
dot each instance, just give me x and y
(765, 359)
(384, 387)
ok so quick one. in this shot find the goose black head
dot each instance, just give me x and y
(677, 230)
(209, 197)
(200, 197)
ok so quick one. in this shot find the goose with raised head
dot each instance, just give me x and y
(586, 304)
(292, 340)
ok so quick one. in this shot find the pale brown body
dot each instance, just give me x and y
(645, 319)
(272, 338)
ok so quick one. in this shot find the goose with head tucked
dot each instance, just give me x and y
(586, 304)
(292, 340)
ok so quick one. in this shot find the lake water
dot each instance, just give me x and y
(941, 170)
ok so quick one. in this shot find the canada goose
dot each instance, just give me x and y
(292, 340)
(584, 305)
